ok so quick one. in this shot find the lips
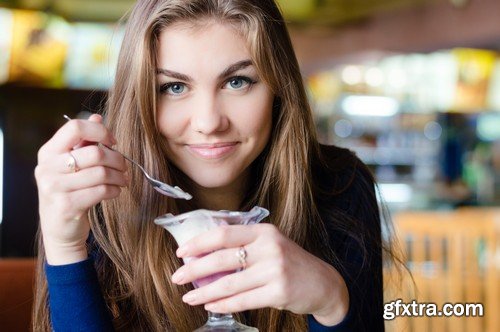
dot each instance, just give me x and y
(214, 150)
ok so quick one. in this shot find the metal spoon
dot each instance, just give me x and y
(159, 186)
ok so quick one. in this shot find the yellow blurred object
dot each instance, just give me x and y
(325, 86)
(39, 48)
(297, 10)
(99, 53)
(475, 68)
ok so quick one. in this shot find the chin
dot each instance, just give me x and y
(212, 181)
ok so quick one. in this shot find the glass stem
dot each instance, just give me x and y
(215, 319)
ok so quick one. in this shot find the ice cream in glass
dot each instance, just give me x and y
(185, 226)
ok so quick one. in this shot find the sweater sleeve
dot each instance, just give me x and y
(75, 299)
(359, 256)
(365, 297)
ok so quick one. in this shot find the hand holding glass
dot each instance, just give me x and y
(188, 225)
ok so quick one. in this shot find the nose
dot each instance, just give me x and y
(208, 115)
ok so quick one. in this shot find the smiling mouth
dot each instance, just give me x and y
(213, 151)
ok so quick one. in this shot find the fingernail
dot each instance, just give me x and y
(177, 277)
(189, 297)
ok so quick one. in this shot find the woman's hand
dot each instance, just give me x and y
(66, 194)
(279, 274)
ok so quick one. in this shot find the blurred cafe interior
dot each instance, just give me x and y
(412, 86)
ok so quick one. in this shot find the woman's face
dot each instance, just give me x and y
(213, 109)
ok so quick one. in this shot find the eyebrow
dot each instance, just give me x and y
(226, 72)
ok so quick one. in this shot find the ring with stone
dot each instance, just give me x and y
(242, 257)
(71, 163)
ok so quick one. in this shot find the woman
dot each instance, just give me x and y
(208, 95)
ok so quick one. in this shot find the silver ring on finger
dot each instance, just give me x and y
(242, 257)
(71, 163)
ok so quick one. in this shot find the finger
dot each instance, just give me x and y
(218, 238)
(257, 298)
(76, 131)
(85, 198)
(86, 157)
(91, 177)
(227, 286)
(92, 118)
(215, 262)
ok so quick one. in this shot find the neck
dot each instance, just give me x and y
(228, 197)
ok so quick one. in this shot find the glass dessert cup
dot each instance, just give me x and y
(185, 226)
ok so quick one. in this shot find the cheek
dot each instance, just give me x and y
(254, 117)
(171, 120)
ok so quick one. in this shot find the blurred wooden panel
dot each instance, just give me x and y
(453, 257)
(16, 294)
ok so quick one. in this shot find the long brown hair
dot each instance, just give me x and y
(135, 257)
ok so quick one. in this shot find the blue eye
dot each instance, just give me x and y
(239, 82)
(174, 89)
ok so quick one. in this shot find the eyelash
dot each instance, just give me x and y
(164, 87)
(246, 79)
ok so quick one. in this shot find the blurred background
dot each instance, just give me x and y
(412, 86)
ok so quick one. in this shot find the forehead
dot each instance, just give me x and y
(184, 47)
